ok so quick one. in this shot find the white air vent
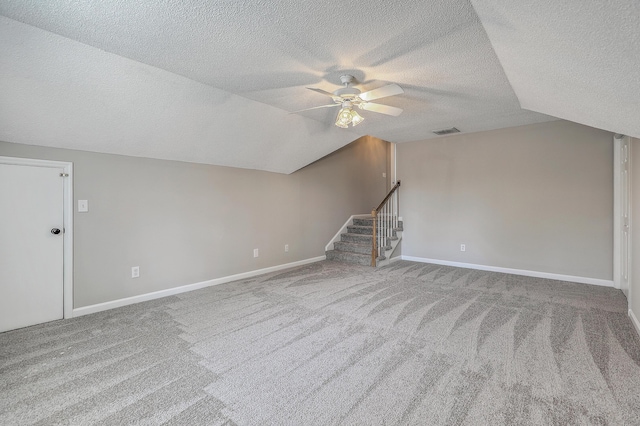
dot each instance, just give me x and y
(446, 131)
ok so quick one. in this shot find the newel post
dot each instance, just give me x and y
(374, 247)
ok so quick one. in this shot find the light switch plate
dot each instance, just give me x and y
(83, 206)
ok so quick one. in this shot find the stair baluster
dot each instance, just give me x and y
(385, 222)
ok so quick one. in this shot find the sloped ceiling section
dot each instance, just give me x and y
(61, 93)
(220, 76)
(573, 59)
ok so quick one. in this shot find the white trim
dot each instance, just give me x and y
(34, 162)
(68, 242)
(395, 259)
(618, 225)
(86, 310)
(547, 275)
(67, 284)
(630, 201)
(635, 321)
(617, 229)
(342, 230)
(393, 164)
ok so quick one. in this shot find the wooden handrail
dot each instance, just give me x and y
(395, 187)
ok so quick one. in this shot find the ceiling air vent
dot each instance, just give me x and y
(446, 131)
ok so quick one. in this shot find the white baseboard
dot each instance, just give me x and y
(547, 275)
(86, 310)
(635, 321)
(395, 259)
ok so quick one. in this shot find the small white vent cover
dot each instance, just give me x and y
(446, 131)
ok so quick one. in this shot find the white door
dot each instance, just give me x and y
(31, 248)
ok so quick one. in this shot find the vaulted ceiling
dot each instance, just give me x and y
(214, 82)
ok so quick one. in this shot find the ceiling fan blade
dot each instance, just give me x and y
(324, 92)
(381, 92)
(382, 109)
(318, 107)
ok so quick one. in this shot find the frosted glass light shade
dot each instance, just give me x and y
(348, 115)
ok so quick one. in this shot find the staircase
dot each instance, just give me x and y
(370, 239)
(354, 245)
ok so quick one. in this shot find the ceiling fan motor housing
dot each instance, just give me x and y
(347, 92)
(347, 79)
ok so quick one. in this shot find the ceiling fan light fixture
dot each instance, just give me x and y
(348, 116)
(348, 97)
(344, 117)
(339, 124)
(356, 118)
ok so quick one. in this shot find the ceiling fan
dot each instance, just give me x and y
(348, 97)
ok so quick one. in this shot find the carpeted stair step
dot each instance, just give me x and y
(357, 229)
(352, 247)
(368, 221)
(365, 221)
(343, 256)
(356, 238)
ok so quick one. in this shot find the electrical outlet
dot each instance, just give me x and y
(83, 206)
(384, 174)
(135, 272)
(256, 253)
(286, 247)
(463, 247)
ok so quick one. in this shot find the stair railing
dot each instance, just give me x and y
(385, 222)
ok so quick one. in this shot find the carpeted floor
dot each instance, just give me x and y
(328, 344)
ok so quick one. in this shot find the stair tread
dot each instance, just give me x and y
(361, 247)
(361, 237)
(364, 256)
(342, 256)
(355, 254)
(351, 243)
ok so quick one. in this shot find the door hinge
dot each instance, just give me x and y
(64, 174)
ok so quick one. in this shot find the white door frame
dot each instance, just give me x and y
(618, 187)
(392, 161)
(67, 219)
(630, 189)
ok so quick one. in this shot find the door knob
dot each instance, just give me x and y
(55, 231)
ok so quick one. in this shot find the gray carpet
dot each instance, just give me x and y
(328, 344)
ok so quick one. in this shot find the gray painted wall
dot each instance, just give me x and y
(184, 223)
(537, 197)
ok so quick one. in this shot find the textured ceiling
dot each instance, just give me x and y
(574, 59)
(60, 93)
(212, 81)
